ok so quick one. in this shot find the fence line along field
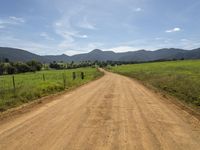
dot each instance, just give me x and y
(178, 78)
(21, 88)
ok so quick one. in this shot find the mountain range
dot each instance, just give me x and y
(14, 55)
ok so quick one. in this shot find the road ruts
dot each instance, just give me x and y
(111, 113)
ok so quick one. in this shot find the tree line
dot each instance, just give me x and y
(71, 65)
(7, 67)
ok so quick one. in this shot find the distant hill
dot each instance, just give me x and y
(161, 54)
(51, 58)
(14, 54)
(96, 55)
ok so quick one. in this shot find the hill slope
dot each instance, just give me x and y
(14, 54)
(141, 55)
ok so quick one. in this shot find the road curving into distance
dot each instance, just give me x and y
(111, 113)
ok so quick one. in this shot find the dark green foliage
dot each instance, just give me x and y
(71, 65)
(10, 69)
(74, 75)
(82, 75)
(34, 65)
(56, 65)
(19, 67)
(22, 67)
(2, 69)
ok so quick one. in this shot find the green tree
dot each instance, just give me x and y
(10, 69)
(22, 67)
(34, 65)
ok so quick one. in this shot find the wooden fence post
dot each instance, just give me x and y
(82, 75)
(74, 75)
(64, 80)
(13, 81)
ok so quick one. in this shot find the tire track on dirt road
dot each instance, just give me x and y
(113, 112)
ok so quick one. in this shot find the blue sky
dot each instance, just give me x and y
(78, 26)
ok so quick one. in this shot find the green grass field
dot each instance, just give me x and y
(30, 86)
(178, 78)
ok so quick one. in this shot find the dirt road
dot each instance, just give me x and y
(113, 112)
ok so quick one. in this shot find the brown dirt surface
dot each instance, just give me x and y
(111, 113)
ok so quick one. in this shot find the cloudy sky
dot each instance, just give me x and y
(78, 26)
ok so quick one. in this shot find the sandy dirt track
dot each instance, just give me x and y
(111, 113)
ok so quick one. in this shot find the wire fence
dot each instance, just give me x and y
(13, 84)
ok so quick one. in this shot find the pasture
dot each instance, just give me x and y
(22, 88)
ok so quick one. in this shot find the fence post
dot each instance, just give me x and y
(43, 77)
(74, 75)
(64, 80)
(13, 80)
(82, 75)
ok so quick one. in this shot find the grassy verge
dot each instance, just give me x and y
(178, 78)
(30, 86)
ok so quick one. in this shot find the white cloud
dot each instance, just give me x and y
(184, 40)
(68, 38)
(58, 24)
(73, 52)
(16, 19)
(157, 43)
(67, 31)
(94, 45)
(84, 36)
(34, 47)
(66, 44)
(158, 38)
(138, 9)
(12, 20)
(86, 24)
(77, 49)
(46, 36)
(173, 30)
(123, 49)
